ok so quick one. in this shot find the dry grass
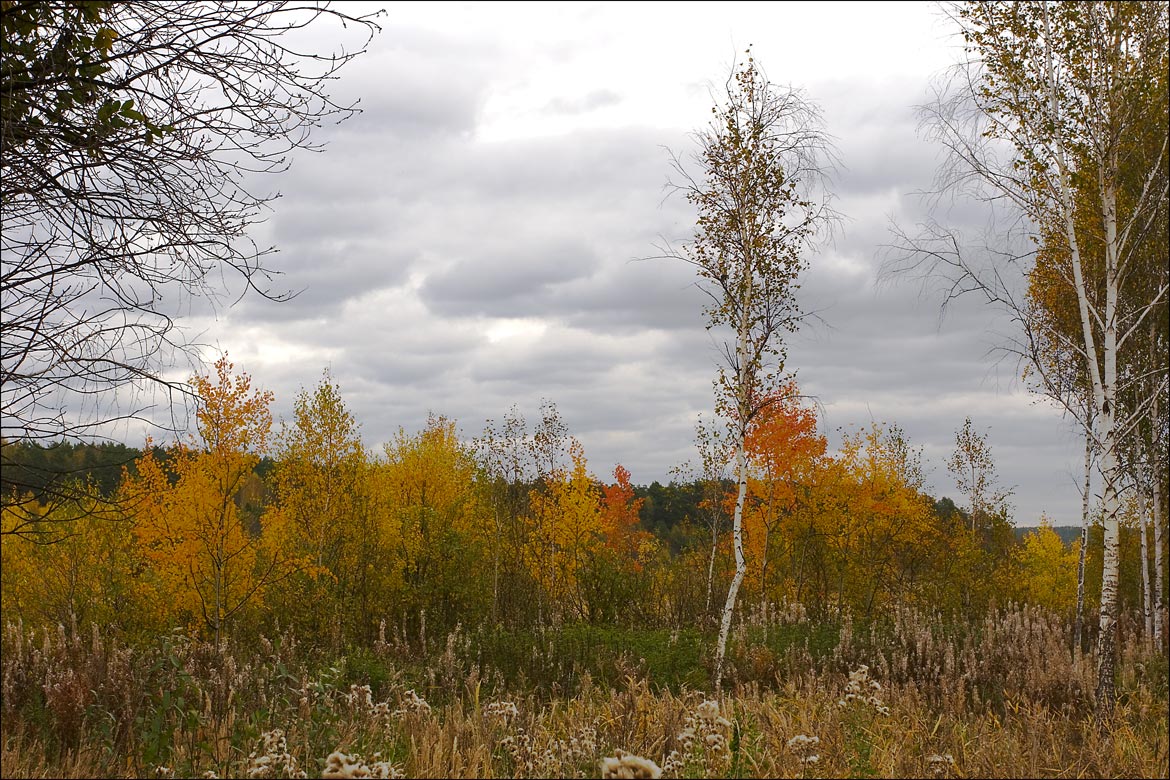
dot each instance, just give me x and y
(93, 708)
(569, 738)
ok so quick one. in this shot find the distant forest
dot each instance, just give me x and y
(667, 511)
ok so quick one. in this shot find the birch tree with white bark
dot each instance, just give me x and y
(762, 203)
(1045, 110)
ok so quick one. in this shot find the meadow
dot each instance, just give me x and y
(914, 696)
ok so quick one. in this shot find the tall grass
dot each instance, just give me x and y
(1006, 696)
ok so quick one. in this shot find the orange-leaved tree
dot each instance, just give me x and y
(783, 449)
(620, 518)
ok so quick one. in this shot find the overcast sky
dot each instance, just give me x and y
(472, 240)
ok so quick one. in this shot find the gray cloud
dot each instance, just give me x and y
(598, 98)
(451, 274)
(501, 283)
(416, 85)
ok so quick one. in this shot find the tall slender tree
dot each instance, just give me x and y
(761, 205)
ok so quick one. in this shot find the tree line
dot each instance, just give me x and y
(250, 523)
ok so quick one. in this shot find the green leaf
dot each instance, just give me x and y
(104, 40)
(107, 110)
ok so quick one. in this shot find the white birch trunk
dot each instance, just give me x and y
(1159, 539)
(1159, 566)
(711, 570)
(1103, 376)
(740, 564)
(1112, 470)
(1147, 605)
(496, 568)
(1085, 496)
(741, 475)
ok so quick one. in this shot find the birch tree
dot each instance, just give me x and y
(974, 471)
(761, 205)
(1045, 106)
(513, 461)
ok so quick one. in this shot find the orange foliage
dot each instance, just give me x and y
(784, 450)
(620, 517)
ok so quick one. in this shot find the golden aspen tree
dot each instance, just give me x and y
(206, 563)
(567, 531)
(882, 519)
(321, 513)
(1047, 572)
(434, 521)
(82, 574)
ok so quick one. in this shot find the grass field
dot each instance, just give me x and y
(916, 697)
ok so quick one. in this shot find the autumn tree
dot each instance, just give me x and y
(783, 448)
(207, 563)
(616, 581)
(762, 161)
(879, 531)
(566, 532)
(1055, 336)
(131, 136)
(321, 511)
(974, 471)
(620, 517)
(433, 518)
(83, 573)
(1047, 570)
(513, 460)
(1044, 106)
(973, 467)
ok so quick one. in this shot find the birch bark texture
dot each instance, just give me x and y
(758, 182)
(1043, 116)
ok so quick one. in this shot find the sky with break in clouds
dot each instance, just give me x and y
(477, 237)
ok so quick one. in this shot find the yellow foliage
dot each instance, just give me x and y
(205, 565)
(318, 480)
(854, 531)
(430, 515)
(566, 523)
(1048, 569)
(69, 566)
